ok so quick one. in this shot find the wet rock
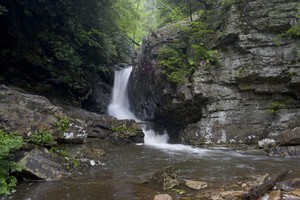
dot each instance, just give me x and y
(43, 165)
(286, 152)
(288, 185)
(162, 197)
(108, 128)
(290, 137)
(197, 185)
(99, 97)
(231, 195)
(165, 178)
(276, 195)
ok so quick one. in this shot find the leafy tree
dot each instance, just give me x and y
(8, 144)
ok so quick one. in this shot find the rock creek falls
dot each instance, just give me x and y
(150, 100)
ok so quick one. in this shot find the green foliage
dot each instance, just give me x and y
(60, 152)
(8, 144)
(174, 63)
(230, 2)
(275, 106)
(3, 10)
(209, 56)
(179, 62)
(293, 31)
(42, 138)
(62, 125)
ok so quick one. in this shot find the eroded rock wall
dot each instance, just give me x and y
(255, 93)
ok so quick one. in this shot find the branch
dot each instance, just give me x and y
(258, 191)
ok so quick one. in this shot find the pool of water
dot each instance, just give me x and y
(127, 166)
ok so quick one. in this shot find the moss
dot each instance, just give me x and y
(275, 106)
(124, 128)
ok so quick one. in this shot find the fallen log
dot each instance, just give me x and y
(258, 191)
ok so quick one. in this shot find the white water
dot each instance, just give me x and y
(120, 107)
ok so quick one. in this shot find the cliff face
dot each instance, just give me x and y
(253, 95)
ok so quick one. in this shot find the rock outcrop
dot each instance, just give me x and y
(71, 131)
(253, 95)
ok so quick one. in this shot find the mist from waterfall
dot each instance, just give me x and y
(120, 108)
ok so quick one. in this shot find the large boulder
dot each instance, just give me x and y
(43, 165)
(28, 115)
(108, 128)
(254, 93)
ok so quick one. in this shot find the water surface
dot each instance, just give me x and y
(127, 166)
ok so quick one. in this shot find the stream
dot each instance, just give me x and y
(126, 167)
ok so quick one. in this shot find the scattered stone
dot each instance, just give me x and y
(266, 143)
(290, 197)
(276, 195)
(166, 178)
(197, 185)
(162, 197)
(286, 152)
(231, 194)
(288, 185)
(43, 165)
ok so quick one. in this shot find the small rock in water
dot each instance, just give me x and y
(92, 162)
(162, 197)
(167, 178)
(197, 185)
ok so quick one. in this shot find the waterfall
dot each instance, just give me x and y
(120, 108)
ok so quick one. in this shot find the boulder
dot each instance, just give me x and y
(107, 127)
(196, 185)
(41, 164)
(27, 115)
(162, 197)
(165, 178)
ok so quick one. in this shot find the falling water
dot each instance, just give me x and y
(120, 108)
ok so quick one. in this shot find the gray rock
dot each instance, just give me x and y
(286, 152)
(165, 178)
(288, 185)
(252, 96)
(162, 197)
(290, 137)
(197, 185)
(27, 114)
(43, 165)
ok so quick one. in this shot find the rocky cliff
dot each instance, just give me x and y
(253, 94)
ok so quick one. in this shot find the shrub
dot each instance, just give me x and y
(42, 138)
(8, 144)
(62, 125)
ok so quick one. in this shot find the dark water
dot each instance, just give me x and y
(127, 166)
